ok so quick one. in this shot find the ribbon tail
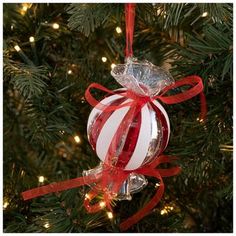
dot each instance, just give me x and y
(147, 208)
(57, 187)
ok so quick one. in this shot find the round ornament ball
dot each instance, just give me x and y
(146, 138)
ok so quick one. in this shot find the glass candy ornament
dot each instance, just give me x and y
(149, 129)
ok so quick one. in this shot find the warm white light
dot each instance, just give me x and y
(104, 59)
(17, 48)
(102, 204)
(31, 39)
(158, 11)
(5, 205)
(87, 196)
(46, 225)
(109, 215)
(164, 211)
(118, 30)
(55, 26)
(24, 8)
(200, 120)
(204, 14)
(41, 179)
(113, 65)
(69, 72)
(12, 27)
(77, 139)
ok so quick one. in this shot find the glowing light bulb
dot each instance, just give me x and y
(158, 11)
(24, 8)
(46, 225)
(87, 196)
(5, 205)
(113, 65)
(104, 59)
(69, 72)
(164, 211)
(102, 204)
(118, 30)
(204, 14)
(109, 215)
(41, 179)
(17, 48)
(77, 139)
(31, 39)
(55, 26)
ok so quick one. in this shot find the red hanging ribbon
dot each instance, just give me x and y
(129, 21)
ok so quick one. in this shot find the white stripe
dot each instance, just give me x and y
(96, 111)
(166, 117)
(142, 145)
(108, 131)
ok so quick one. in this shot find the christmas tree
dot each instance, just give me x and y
(53, 52)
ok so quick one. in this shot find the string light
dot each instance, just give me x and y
(41, 179)
(77, 139)
(113, 65)
(5, 205)
(31, 39)
(200, 120)
(204, 14)
(118, 30)
(104, 59)
(157, 185)
(87, 196)
(12, 27)
(46, 225)
(55, 26)
(109, 215)
(17, 48)
(159, 11)
(102, 204)
(69, 72)
(25, 7)
(166, 210)
(227, 148)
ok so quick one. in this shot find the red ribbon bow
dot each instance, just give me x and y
(193, 80)
(148, 170)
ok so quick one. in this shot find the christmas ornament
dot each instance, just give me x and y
(150, 127)
(129, 130)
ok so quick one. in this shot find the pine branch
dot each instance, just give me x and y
(87, 17)
(28, 80)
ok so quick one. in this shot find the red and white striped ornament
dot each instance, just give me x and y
(149, 131)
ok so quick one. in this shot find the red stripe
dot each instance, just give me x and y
(130, 142)
(100, 120)
(164, 134)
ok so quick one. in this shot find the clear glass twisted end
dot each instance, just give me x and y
(142, 77)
